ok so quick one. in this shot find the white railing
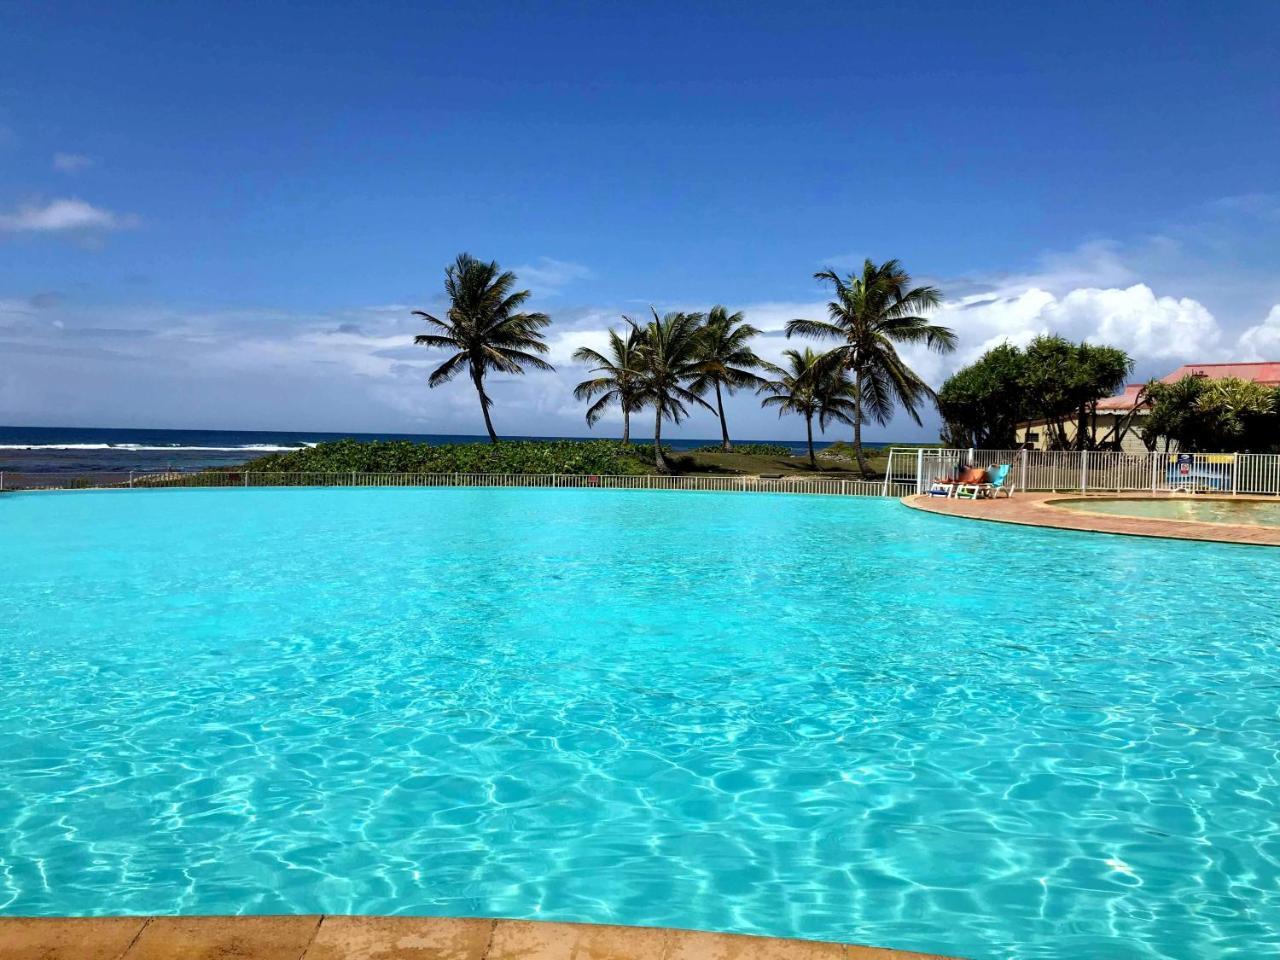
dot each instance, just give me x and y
(1093, 471)
(908, 470)
(234, 478)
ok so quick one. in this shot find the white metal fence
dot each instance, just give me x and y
(909, 470)
(1094, 471)
(232, 478)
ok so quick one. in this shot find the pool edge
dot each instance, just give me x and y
(1038, 510)
(334, 937)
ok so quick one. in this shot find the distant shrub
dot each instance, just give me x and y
(749, 449)
(509, 456)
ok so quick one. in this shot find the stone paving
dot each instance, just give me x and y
(1038, 510)
(392, 938)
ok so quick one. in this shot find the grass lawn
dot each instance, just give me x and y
(836, 467)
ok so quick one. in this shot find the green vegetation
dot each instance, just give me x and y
(583, 457)
(726, 361)
(619, 380)
(673, 361)
(1229, 415)
(870, 316)
(1053, 380)
(983, 403)
(748, 449)
(810, 388)
(511, 456)
(670, 368)
(484, 327)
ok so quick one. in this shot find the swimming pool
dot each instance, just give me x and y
(1264, 513)
(803, 716)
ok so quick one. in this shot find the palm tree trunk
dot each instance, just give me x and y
(857, 425)
(659, 461)
(725, 445)
(808, 423)
(484, 406)
(626, 427)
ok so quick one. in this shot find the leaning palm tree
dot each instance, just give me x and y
(811, 388)
(871, 314)
(485, 327)
(669, 371)
(619, 380)
(727, 360)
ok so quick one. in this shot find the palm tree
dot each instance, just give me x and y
(727, 360)
(669, 371)
(810, 387)
(619, 381)
(871, 314)
(485, 328)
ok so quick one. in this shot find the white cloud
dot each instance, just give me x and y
(71, 162)
(63, 216)
(549, 276)
(1262, 342)
(1136, 320)
(1263, 205)
(1157, 331)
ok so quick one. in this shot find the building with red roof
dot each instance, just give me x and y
(1122, 414)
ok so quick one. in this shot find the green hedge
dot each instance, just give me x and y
(509, 456)
(748, 449)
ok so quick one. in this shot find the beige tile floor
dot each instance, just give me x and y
(1038, 510)
(392, 938)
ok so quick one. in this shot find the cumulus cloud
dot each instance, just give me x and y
(67, 215)
(1262, 342)
(71, 162)
(1133, 318)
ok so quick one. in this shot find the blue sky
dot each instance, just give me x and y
(219, 215)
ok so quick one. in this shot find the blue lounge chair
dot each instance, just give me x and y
(999, 480)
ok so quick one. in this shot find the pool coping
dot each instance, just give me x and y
(1040, 510)
(331, 937)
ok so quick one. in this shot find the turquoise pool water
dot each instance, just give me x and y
(817, 717)
(1264, 513)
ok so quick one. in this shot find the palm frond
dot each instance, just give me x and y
(447, 370)
(818, 329)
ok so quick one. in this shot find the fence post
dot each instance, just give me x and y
(1153, 456)
(1023, 470)
(970, 461)
(245, 478)
(1084, 471)
(131, 478)
(1, 479)
(888, 472)
(919, 470)
(1235, 474)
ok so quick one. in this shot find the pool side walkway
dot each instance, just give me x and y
(392, 938)
(1038, 510)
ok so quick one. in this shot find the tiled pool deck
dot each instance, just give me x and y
(391, 938)
(1038, 510)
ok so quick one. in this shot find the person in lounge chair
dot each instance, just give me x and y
(947, 486)
(995, 479)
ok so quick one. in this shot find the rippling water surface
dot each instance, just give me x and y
(799, 716)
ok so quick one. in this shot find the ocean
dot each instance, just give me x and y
(95, 449)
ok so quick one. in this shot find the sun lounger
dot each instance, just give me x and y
(997, 479)
(947, 486)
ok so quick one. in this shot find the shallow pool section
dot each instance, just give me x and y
(1265, 513)
(800, 716)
